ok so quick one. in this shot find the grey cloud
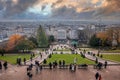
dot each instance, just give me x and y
(112, 9)
(21, 6)
(2, 4)
(43, 7)
(70, 13)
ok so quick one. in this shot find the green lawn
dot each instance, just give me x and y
(11, 58)
(69, 58)
(113, 57)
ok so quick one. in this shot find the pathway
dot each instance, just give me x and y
(44, 56)
(99, 59)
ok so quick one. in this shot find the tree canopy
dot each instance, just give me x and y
(42, 38)
(25, 45)
(94, 41)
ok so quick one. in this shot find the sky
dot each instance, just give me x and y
(60, 10)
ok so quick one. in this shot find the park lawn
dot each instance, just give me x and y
(69, 58)
(11, 58)
(113, 57)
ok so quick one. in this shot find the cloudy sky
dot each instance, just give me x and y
(59, 9)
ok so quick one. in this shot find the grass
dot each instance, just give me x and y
(69, 58)
(11, 58)
(113, 57)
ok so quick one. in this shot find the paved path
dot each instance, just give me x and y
(111, 73)
(99, 59)
(108, 53)
(38, 58)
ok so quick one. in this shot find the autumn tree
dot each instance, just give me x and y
(113, 34)
(103, 38)
(12, 42)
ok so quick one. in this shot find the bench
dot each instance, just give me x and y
(63, 67)
(45, 66)
(83, 66)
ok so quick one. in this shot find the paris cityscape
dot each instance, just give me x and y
(59, 40)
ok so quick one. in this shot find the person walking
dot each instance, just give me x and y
(97, 76)
(50, 65)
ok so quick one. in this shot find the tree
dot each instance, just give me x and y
(2, 51)
(12, 42)
(34, 40)
(94, 41)
(25, 45)
(42, 38)
(51, 38)
(113, 34)
(103, 38)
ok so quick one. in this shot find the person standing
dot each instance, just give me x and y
(63, 63)
(97, 76)
(73, 68)
(50, 65)
(105, 65)
(5, 64)
(31, 58)
(24, 61)
(60, 62)
(75, 60)
(70, 68)
(0, 66)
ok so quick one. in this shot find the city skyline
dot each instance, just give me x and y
(106, 10)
